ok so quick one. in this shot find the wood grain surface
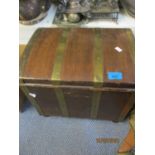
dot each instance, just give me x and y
(78, 61)
(67, 71)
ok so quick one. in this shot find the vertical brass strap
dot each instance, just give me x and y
(57, 70)
(132, 44)
(95, 104)
(98, 59)
(61, 100)
(98, 72)
(32, 101)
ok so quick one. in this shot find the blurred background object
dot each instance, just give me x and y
(129, 6)
(82, 11)
(33, 11)
(128, 145)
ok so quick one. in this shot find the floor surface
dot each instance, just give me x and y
(41, 135)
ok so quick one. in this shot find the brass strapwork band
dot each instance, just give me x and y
(98, 72)
(32, 101)
(57, 71)
(59, 56)
(95, 104)
(98, 59)
(131, 42)
(61, 99)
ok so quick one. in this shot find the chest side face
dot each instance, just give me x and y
(80, 56)
(80, 103)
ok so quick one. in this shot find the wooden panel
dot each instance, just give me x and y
(78, 102)
(112, 104)
(46, 99)
(115, 61)
(41, 58)
(78, 57)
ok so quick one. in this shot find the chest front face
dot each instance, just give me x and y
(80, 72)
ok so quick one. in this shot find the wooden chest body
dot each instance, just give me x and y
(86, 73)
